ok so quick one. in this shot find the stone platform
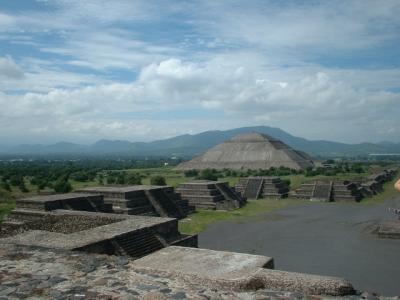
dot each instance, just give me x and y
(205, 194)
(326, 191)
(142, 200)
(212, 264)
(59, 274)
(135, 236)
(389, 229)
(72, 201)
(262, 187)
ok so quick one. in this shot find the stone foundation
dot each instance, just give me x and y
(327, 191)
(389, 229)
(262, 187)
(204, 194)
(143, 200)
(135, 236)
(203, 274)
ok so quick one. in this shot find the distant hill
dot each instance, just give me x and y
(189, 145)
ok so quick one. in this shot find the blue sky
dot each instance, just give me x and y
(143, 70)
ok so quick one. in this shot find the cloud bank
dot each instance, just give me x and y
(82, 71)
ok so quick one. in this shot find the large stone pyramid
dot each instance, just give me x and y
(249, 151)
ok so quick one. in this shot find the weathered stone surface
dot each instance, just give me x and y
(50, 274)
(206, 194)
(388, 229)
(205, 263)
(250, 151)
(235, 271)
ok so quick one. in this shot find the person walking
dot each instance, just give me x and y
(397, 185)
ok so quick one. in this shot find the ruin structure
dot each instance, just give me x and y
(143, 200)
(250, 151)
(326, 191)
(68, 222)
(210, 195)
(56, 247)
(262, 187)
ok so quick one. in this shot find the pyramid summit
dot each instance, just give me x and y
(249, 151)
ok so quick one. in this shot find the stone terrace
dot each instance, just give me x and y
(72, 201)
(135, 236)
(328, 191)
(262, 187)
(59, 274)
(142, 200)
(210, 195)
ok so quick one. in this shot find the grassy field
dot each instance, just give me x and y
(199, 221)
(7, 203)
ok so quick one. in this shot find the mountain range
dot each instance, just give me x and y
(188, 145)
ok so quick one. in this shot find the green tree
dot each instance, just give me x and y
(6, 186)
(157, 180)
(133, 178)
(120, 178)
(208, 174)
(23, 188)
(62, 185)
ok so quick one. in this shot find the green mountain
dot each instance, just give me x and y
(189, 145)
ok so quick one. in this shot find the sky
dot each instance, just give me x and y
(80, 71)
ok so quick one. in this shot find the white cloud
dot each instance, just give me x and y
(9, 69)
(258, 62)
(313, 27)
(315, 100)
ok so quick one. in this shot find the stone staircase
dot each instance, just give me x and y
(144, 200)
(328, 191)
(346, 191)
(163, 204)
(135, 204)
(138, 243)
(262, 187)
(322, 192)
(210, 195)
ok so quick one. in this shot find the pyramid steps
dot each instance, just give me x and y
(210, 195)
(143, 200)
(262, 187)
(328, 191)
(138, 243)
(249, 151)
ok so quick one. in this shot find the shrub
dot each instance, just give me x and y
(208, 174)
(191, 173)
(133, 178)
(157, 180)
(62, 184)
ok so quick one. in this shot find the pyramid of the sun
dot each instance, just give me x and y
(249, 151)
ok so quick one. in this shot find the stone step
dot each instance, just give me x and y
(184, 191)
(196, 198)
(139, 244)
(275, 190)
(197, 186)
(129, 202)
(275, 195)
(205, 205)
(19, 214)
(12, 223)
